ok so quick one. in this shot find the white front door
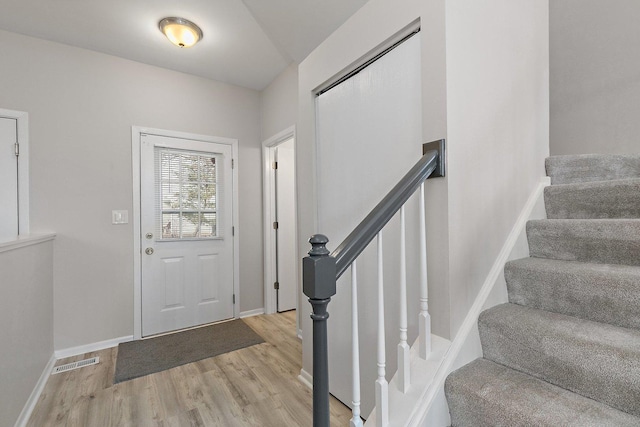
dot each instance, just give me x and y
(186, 233)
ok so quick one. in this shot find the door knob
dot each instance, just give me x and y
(148, 251)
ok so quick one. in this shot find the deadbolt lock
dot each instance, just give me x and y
(149, 235)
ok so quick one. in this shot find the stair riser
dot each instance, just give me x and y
(601, 293)
(596, 241)
(598, 361)
(591, 167)
(618, 199)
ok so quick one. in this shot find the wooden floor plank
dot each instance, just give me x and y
(256, 386)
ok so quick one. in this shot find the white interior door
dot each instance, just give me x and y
(186, 231)
(9, 178)
(286, 231)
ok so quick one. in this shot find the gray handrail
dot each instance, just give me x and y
(363, 234)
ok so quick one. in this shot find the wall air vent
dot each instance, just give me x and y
(75, 365)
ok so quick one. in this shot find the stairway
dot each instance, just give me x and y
(565, 350)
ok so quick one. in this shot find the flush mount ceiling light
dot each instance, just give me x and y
(180, 31)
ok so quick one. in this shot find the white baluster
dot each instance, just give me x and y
(356, 421)
(382, 386)
(404, 372)
(424, 319)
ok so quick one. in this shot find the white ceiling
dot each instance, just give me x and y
(246, 42)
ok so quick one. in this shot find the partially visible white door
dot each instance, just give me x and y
(186, 231)
(8, 178)
(286, 232)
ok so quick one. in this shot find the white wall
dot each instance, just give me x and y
(498, 130)
(279, 103)
(595, 90)
(26, 316)
(81, 107)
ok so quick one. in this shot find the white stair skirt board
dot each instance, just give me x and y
(35, 394)
(88, 348)
(463, 348)
(403, 406)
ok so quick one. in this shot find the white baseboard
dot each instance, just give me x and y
(306, 378)
(35, 394)
(421, 416)
(249, 313)
(88, 348)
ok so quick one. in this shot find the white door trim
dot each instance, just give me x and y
(136, 131)
(268, 181)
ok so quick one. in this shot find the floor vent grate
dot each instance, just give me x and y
(75, 365)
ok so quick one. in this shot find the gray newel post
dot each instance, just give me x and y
(319, 284)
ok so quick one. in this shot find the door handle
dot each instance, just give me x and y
(148, 251)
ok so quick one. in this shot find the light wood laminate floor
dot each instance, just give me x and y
(254, 386)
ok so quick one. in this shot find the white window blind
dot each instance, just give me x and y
(186, 194)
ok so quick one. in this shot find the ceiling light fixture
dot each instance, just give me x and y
(180, 31)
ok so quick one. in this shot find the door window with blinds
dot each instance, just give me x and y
(187, 185)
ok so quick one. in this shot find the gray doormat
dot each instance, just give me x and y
(144, 357)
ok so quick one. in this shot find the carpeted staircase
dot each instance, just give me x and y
(565, 350)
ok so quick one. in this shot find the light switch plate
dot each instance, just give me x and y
(120, 217)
